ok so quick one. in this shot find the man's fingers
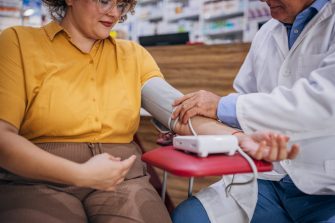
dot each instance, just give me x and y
(189, 114)
(180, 100)
(176, 112)
(185, 106)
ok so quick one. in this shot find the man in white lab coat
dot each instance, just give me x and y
(287, 84)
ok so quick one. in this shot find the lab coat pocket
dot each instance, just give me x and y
(309, 63)
(330, 166)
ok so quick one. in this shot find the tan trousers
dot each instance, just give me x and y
(135, 200)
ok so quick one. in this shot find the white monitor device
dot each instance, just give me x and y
(207, 144)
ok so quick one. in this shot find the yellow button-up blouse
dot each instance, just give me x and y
(53, 92)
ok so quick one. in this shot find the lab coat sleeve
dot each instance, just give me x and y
(305, 110)
(245, 82)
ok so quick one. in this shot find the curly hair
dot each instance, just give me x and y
(57, 8)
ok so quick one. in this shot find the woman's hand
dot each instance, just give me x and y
(104, 172)
(202, 103)
(267, 146)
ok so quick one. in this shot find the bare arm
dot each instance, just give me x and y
(23, 158)
(204, 126)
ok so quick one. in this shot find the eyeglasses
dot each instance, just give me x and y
(107, 5)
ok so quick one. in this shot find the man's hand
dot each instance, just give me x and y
(267, 146)
(202, 103)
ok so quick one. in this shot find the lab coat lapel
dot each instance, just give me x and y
(281, 39)
(322, 15)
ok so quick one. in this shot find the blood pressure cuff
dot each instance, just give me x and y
(157, 98)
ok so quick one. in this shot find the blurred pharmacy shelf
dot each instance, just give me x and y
(208, 21)
(22, 12)
(10, 13)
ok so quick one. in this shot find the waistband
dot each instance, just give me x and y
(81, 152)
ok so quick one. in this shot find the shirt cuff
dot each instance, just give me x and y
(227, 110)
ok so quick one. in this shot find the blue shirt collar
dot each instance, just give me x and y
(310, 11)
(302, 19)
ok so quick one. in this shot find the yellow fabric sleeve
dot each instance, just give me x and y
(12, 87)
(148, 66)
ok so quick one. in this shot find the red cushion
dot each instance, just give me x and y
(184, 164)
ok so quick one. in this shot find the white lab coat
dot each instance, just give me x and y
(292, 92)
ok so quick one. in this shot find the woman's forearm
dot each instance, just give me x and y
(262, 145)
(23, 158)
(203, 126)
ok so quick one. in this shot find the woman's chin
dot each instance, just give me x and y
(103, 35)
